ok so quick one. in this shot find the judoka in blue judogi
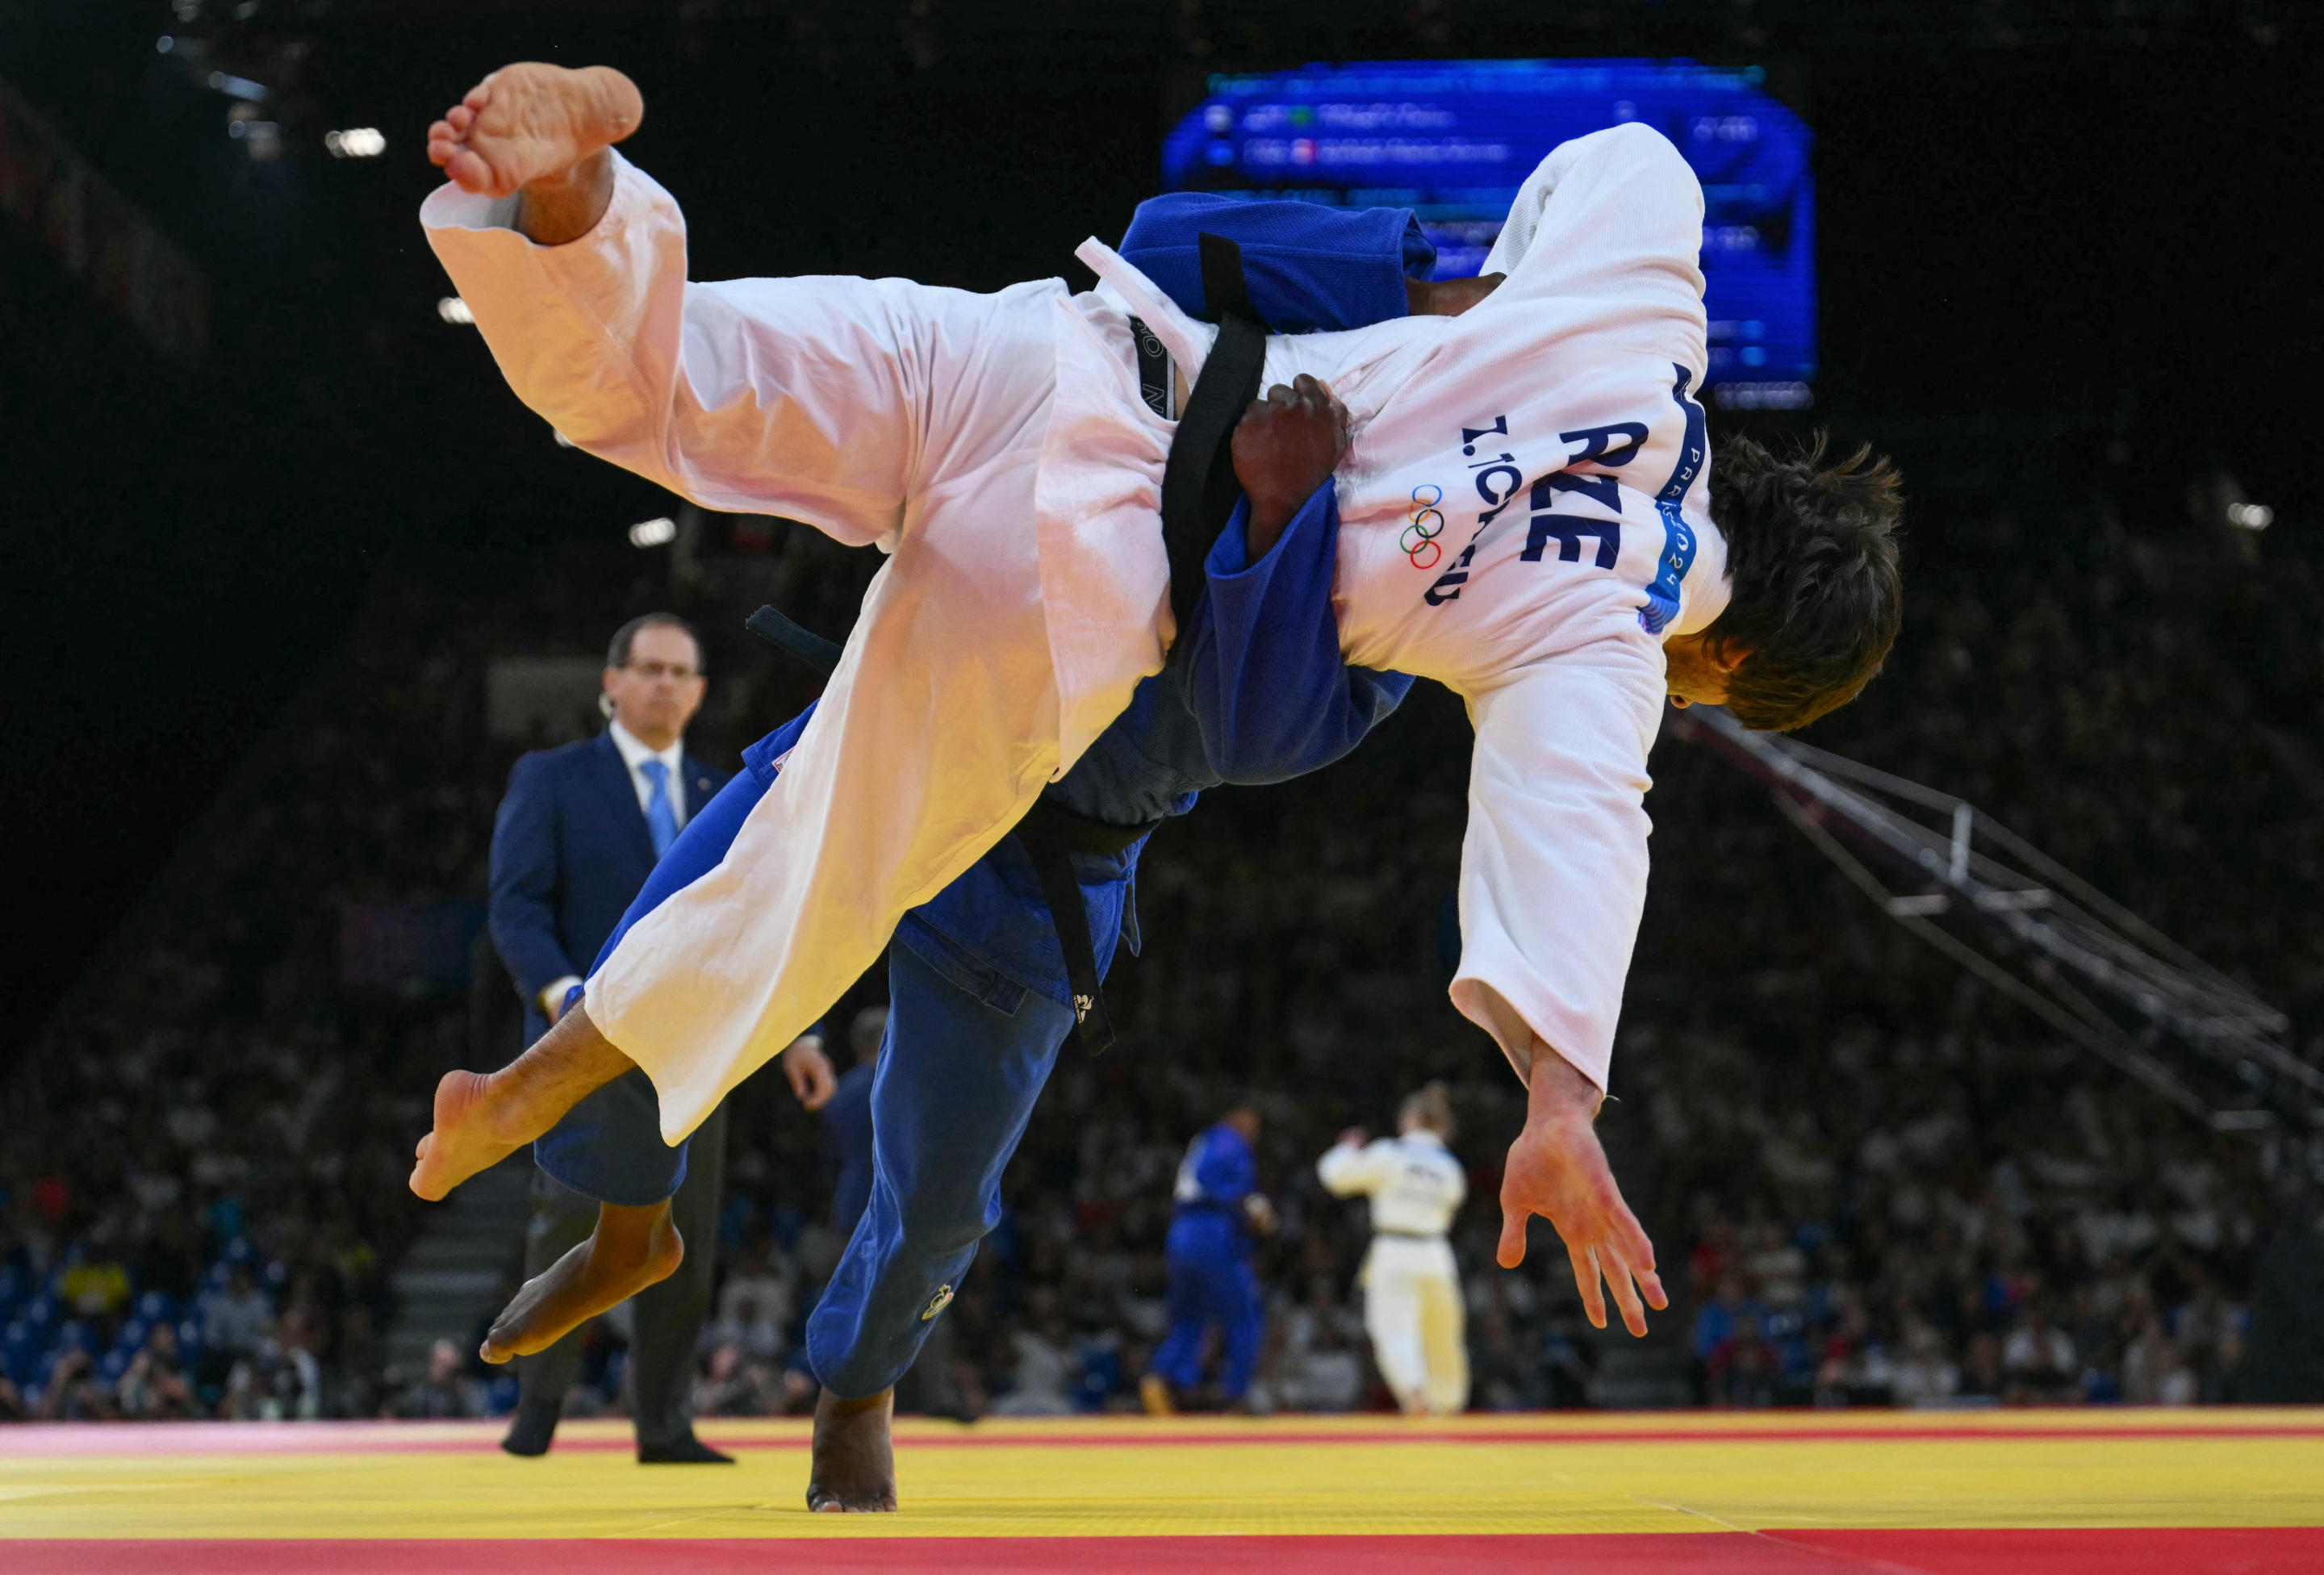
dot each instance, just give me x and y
(1218, 1213)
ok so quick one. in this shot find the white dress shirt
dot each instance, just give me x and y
(635, 754)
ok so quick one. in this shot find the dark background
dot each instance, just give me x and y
(2060, 238)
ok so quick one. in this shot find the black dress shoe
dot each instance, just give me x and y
(534, 1424)
(685, 1449)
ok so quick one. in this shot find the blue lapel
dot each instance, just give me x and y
(612, 778)
(702, 785)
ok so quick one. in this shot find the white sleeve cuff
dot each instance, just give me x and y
(552, 996)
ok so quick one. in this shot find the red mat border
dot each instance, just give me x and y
(2179, 1550)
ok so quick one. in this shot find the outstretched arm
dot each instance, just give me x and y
(1557, 1169)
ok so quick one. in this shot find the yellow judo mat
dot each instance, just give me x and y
(1993, 1492)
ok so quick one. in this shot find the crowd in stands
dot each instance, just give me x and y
(1870, 1182)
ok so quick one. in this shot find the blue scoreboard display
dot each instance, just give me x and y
(1453, 140)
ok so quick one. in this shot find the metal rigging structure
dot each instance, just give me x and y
(2039, 935)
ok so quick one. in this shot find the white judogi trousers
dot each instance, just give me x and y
(1418, 1327)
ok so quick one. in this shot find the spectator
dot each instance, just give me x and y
(446, 1392)
(153, 1387)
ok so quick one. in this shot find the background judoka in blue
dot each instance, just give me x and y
(1452, 140)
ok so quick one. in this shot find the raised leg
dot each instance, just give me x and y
(631, 1249)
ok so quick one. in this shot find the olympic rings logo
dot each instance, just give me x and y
(1427, 523)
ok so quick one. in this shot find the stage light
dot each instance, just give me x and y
(164, 44)
(241, 87)
(2251, 516)
(659, 532)
(362, 143)
(453, 309)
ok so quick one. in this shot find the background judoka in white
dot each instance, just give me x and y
(998, 448)
(1412, 1286)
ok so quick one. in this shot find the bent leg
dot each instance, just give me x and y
(1178, 1359)
(629, 1250)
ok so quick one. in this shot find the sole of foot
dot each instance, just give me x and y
(532, 122)
(593, 1277)
(853, 1467)
(461, 1143)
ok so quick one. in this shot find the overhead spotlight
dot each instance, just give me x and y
(362, 143)
(2250, 516)
(453, 309)
(659, 532)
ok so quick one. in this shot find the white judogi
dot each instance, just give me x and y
(998, 447)
(1412, 1286)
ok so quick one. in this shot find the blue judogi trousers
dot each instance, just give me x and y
(1211, 1285)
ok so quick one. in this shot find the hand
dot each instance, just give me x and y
(1289, 445)
(1354, 1137)
(1261, 1213)
(809, 1072)
(1557, 1170)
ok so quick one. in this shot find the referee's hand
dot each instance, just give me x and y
(1557, 1169)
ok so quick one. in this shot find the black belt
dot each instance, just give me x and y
(1199, 488)
(1199, 491)
(1050, 835)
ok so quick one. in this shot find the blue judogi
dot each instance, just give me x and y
(979, 1004)
(1209, 1255)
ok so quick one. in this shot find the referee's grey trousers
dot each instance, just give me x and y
(667, 1319)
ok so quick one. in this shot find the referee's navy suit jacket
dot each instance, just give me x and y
(570, 852)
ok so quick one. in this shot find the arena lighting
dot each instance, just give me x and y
(659, 532)
(2037, 934)
(241, 87)
(362, 143)
(2251, 516)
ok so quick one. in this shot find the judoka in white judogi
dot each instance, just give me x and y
(1412, 1286)
(1524, 510)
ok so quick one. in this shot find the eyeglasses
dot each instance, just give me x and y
(654, 671)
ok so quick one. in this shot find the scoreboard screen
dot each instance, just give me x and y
(1453, 140)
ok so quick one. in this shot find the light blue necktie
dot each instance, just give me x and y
(661, 816)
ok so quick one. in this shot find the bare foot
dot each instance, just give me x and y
(530, 121)
(631, 1249)
(853, 1467)
(464, 1140)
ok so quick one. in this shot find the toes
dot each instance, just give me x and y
(471, 173)
(460, 117)
(482, 93)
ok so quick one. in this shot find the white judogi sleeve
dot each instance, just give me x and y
(1347, 1169)
(1553, 866)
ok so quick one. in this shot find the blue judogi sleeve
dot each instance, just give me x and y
(1264, 675)
(1307, 268)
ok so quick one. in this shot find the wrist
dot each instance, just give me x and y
(1558, 1091)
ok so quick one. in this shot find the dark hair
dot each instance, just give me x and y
(1812, 555)
(617, 654)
